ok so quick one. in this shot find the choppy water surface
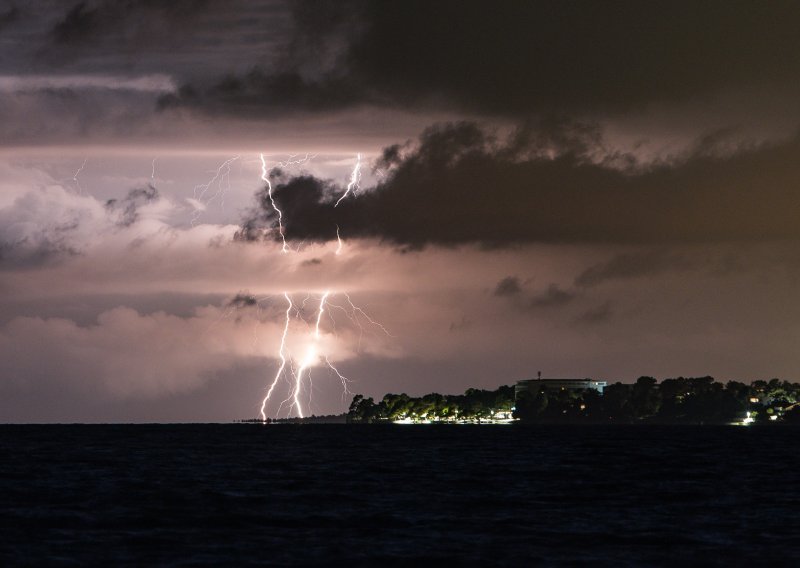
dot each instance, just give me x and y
(398, 495)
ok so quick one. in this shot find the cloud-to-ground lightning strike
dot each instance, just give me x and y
(355, 180)
(281, 354)
(295, 370)
(310, 358)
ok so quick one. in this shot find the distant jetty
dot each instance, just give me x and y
(326, 419)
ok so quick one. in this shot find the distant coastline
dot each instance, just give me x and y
(701, 400)
(325, 419)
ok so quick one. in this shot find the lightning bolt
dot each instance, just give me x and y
(281, 354)
(339, 245)
(358, 311)
(222, 179)
(297, 372)
(345, 380)
(310, 357)
(293, 370)
(293, 160)
(265, 179)
(354, 314)
(309, 360)
(355, 181)
(75, 176)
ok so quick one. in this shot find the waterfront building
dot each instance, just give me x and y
(535, 385)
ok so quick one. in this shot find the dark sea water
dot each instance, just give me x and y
(398, 495)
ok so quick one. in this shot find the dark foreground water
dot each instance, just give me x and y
(398, 495)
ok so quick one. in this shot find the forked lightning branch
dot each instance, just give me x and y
(295, 369)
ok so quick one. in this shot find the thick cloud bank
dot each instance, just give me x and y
(513, 58)
(546, 183)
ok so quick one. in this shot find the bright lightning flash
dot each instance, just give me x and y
(291, 369)
(265, 179)
(310, 358)
(355, 181)
(296, 370)
(281, 354)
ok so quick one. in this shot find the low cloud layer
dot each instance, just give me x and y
(44, 221)
(123, 354)
(32, 83)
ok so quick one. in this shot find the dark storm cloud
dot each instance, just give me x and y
(600, 314)
(258, 93)
(242, 300)
(553, 297)
(31, 252)
(508, 286)
(127, 208)
(88, 22)
(79, 24)
(459, 185)
(520, 56)
(8, 15)
(513, 58)
(64, 114)
(632, 265)
(185, 39)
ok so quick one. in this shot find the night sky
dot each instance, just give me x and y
(586, 189)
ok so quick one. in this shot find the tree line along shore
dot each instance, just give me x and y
(700, 400)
